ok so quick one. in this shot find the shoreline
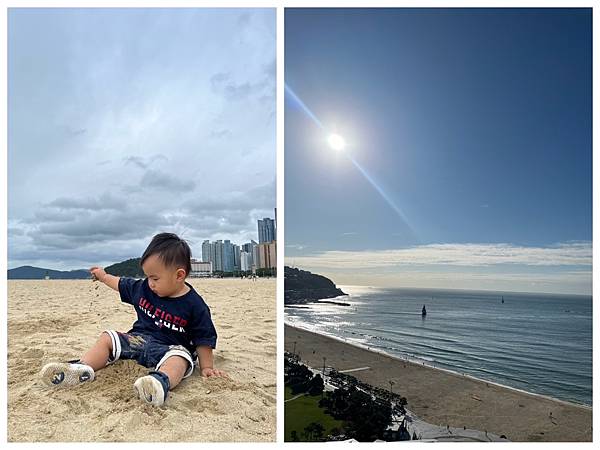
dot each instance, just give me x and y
(440, 395)
(428, 364)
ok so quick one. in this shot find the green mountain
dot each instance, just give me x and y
(301, 286)
(129, 268)
(39, 273)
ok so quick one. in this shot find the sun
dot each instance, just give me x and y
(336, 142)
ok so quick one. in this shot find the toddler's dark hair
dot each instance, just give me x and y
(171, 250)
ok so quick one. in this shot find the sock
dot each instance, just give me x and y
(164, 380)
(78, 361)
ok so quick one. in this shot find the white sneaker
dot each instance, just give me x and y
(150, 390)
(66, 374)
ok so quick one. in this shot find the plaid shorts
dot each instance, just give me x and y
(146, 350)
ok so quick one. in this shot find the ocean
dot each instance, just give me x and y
(538, 343)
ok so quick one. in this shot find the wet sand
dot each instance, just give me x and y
(55, 320)
(444, 398)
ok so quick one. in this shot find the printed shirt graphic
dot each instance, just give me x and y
(183, 320)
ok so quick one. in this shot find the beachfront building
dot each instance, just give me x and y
(228, 262)
(222, 254)
(208, 251)
(226, 257)
(236, 258)
(266, 230)
(245, 261)
(266, 255)
(255, 257)
(201, 269)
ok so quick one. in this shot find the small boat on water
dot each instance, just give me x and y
(503, 299)
(423, 311)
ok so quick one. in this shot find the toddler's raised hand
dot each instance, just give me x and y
(98, 273)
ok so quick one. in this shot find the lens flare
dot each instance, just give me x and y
(292, 95)
(338, 143)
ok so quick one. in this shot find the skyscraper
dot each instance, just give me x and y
(266, 230)
(228, 258)
(218, 264)
(206, 251)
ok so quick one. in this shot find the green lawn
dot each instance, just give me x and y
(304, 410)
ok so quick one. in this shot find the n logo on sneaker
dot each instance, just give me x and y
(58, 378)
(84, 377)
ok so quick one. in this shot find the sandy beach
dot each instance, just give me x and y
(445, 398)
(53, 320)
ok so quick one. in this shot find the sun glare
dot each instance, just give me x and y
(336, 142)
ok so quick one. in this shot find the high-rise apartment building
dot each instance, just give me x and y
(223, 255)
(266, 255)
(245, 261)
(266, 230)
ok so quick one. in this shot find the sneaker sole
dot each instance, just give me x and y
(64, 375)
(149, 390)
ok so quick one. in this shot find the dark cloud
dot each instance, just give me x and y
(223, 84)
(218, 79)
(96, 227)
(157, 179)
(260, 197)
(106, 201)
(136, 161)
(144, 163)
(15, 231)
(240, 91)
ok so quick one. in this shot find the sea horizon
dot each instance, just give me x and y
(483, 291)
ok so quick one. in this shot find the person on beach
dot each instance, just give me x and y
(172, 334)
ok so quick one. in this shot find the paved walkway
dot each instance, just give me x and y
(295, 397)
(353, 370)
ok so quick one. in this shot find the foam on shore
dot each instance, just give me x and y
(427, 363)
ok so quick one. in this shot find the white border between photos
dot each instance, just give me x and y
(280, 5)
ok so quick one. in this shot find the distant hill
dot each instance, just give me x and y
(38, 273)
(301, 286)
(129, 268)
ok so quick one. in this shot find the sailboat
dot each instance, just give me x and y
(423, 311)
(503, 299)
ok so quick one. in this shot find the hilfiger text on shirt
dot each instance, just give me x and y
(163, 318)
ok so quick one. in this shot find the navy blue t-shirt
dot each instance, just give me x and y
(182, 320)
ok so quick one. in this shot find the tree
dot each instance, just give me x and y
(314, 431)
(316, 385)
(318, 430)
(294, 436)
(402, 403)
(297, 376)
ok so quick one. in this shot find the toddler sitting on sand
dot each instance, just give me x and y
(172, 331)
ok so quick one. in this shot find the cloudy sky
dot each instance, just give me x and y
(468, 161)
(126, 123)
